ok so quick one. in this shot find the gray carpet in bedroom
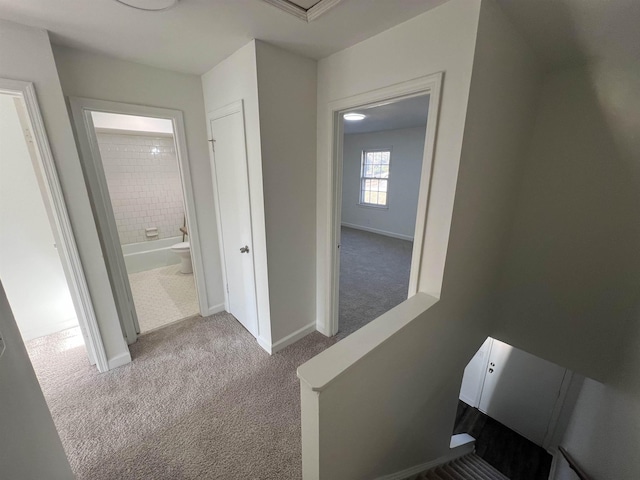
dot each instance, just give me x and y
(374, 277)
(201, 400)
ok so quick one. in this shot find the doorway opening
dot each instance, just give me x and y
(136, 164)
(137, 173)
(145, 190)
(40, 267)
(516, 406)
(330, 199)
(382, 155)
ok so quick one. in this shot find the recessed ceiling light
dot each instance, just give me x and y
(150, 5)
(353, 116)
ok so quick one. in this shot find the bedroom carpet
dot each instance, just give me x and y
(200, 401)
(374, 277)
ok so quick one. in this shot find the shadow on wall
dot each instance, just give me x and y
(570, 285)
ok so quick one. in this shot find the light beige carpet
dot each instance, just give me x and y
(201, 400)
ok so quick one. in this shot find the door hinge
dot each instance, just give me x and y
(227, 288)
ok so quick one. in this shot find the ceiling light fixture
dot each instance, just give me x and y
(149, 5)
(353, 117)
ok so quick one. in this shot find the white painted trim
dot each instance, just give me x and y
(321, 8)
(379, 232)
(306, 15)
(118, 131)
(288, 340)
(548, 442)
(459, 447)
(119, 360)
(266, 346)
(216, 309)
(87, 139)
(50, 329)
(293, 337)
(429, 85)
(361, 203)
(230, 109)
(62, 230)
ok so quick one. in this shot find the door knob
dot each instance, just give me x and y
(244, 249)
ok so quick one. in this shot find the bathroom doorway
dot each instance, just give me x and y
(138, 175)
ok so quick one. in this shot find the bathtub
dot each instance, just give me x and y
(143, 256)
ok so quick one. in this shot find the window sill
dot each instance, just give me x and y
(376, 207)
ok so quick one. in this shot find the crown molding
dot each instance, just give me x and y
(306, 15)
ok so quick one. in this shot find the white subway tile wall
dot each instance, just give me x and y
(144, 185)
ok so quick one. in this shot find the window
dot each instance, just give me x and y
(374, 177)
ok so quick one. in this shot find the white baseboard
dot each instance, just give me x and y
(265, 345)
(119, 360)
(49, 329)
(460, 445)
(293, 337)
(272, 348)
(379, 232)
(216, 309)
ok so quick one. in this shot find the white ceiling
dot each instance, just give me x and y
(408, 113)
(564, 31)
(195, 35)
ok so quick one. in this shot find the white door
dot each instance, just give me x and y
(521, 390)
(232, 186)
(474, 375)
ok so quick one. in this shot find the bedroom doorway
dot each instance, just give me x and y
(377, 161)
(382, 154)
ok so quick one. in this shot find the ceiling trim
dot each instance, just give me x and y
(306, 15)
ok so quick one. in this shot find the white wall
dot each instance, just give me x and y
(96, 76)
(603, 434)
(26, 55)
(30, 266)
(29, 443)
(477, 161)
(287, 105)
(570, 286)
(452, 27)
(279, 95)
(144, 185)
(407, 150)
(232, 80)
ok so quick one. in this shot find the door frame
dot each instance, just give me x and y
(81, 109)
(52, 195)
(230, 109)
(429, 85)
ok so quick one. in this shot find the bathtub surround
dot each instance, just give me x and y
(143, 256)
(144, 184)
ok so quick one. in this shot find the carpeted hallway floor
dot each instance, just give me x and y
(200, 401)
(374, 277)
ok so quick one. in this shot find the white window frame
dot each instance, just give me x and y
(361, 201)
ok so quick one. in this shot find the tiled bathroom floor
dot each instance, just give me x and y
(162, 296)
